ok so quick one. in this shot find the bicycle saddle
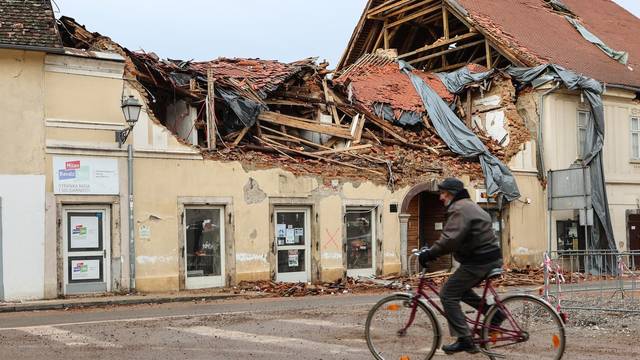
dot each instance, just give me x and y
(493, 273)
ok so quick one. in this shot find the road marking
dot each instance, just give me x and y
(67, 337)
(321, 323)
(265, 339)
(154, 318)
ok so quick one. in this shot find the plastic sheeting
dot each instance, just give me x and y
(461, 140)
(407, 118)
(241, 112)
(602, 231)
(620, 56)
(456, 81)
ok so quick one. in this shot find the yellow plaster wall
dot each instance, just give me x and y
(21, 114)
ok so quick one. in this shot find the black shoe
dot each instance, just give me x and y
(498, 318)
(463, 344)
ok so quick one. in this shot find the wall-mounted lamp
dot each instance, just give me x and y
(131, 109)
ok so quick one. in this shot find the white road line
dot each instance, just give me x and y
(321, 323)
(67, 337)
(154, 318)
(266, 339)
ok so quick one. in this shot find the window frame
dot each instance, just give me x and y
(633, 132)
(579, 148)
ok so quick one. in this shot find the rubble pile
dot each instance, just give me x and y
(365, 123)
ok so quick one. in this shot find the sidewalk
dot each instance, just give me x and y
(111, 299)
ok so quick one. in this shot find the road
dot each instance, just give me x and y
(328, 327)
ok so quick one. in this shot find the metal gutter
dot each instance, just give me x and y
(33, 48)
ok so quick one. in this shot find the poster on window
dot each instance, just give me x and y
(85, 175)
(293, 258)
(85, 270)
(84, 232)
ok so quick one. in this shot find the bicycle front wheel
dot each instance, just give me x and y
(391, 335)
(533, 331)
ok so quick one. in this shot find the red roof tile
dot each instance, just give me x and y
(28, 23)
(538, 35)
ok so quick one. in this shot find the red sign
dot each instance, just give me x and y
(72, 165)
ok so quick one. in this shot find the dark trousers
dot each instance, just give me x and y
(458, 288)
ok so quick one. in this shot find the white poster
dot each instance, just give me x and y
(293, 260)
(281, 230)
(85, 175)
(291, 238)
(85, 270)
(84, 232)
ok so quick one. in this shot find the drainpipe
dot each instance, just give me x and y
(541, 167)
(132, 242)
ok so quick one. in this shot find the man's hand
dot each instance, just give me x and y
(425, 256)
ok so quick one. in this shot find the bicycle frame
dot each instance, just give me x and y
(517, 335)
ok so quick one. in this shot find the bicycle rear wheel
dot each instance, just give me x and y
(388, 336)
(542, 329)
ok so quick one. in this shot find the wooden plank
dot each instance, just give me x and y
(294, 138)
(280, 138)
(404, 9)
(351, 148)
(211, 111)
(312, 155)
(330, 102)
(287, 103)
(386, 7)
(240, 136)
(445, 22)
(274, 145)
(437, 45)
(303, 124)
(488, 50)
(444, 52)
(385, 31)
(413, 16)
(358, 135)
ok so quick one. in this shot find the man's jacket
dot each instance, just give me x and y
(468, 233)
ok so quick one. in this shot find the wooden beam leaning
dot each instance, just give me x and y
(303, 124)
(351, 148)
(437, 45)
(444, 52)
(407, 8)
(488, 50)
(414, 16)
(211, 111)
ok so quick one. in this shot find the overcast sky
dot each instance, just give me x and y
(286, 30)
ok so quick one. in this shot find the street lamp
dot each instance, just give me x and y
(131, 110)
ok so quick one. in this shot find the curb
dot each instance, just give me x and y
(101, 303)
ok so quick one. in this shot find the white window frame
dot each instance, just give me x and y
(634, 132)
(580, 128)
(373, 214)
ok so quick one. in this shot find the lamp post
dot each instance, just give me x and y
(131, 109)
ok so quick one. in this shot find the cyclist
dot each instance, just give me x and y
(468, 234)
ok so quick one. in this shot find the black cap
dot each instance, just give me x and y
(451, 185)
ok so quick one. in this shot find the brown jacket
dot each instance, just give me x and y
(468, 234)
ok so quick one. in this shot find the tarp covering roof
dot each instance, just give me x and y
(541, 36)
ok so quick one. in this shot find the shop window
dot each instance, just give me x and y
(203, 246)
(571, 236)
(360, 238)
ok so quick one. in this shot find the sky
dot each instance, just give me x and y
(285, 30)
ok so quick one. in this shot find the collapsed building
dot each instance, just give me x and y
(251, 169)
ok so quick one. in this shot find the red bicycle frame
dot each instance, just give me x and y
(515, 336)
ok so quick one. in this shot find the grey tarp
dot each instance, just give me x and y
(240, 112)
(620, 56)
(407, 118)
(456, 81)
(602, 231)
(461, 140)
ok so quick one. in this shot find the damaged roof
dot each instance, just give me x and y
(532, 33)
(538, 35)
(28, 24)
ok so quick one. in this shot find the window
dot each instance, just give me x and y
(583, 120)
(360, 238)
(635, 138)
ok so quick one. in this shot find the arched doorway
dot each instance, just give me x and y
(425, 216)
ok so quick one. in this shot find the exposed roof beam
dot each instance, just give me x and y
(444, 52)
(414, 16)
(438, 44)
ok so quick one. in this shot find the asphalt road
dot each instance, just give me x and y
(329, 327)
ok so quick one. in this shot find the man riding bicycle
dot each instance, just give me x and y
(468, 234)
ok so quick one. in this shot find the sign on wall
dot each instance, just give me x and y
(85, 175)
(85, 269)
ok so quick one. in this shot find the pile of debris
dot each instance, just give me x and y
(366, 123)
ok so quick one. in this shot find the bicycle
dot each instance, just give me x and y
(399, 326)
